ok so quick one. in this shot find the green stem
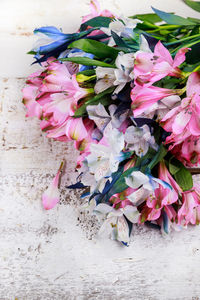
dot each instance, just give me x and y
(183, 40)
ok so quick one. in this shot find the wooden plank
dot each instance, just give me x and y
(56, 254)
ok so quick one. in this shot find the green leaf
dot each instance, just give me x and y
(143, 161)
(118, 40)
(120, 185)
(31, 52)
(147, 26)
(183, 40)
(193, 4)
(102, 98)
(184, 179)
(174, 166)
(152, 18)
(158, 157)
(84, 78)
(86, 61)
(99, 49)
(87, 72)
(173, 19)
(194, 20)
(182, 176)
(96, 22)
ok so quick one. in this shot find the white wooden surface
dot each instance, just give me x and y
(55, 254)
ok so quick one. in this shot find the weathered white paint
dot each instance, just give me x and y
(55, 254)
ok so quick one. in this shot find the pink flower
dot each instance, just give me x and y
(84, 144)
(190, 209)
(121, 200)
(151, 67)
(52, 195)
(162, 198)
(75, 129)
(33, 107)
(144, 97)
(52, 95)
(184, 119)
(155, 214)
(171, 196)
(188, 151)
(184, 123)
(96, 11)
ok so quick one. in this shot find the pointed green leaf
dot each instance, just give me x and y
(158, 157)
(174, 166)
(31, 52)
(193, 4)
(86, 61)
(184, 179)
(152, 18)
(182, 176)
(172, 19)
(120, 185)
(99, 49)
(87, 72)
(96, 22)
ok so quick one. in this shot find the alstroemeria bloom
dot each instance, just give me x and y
(52, 195)
(104, 157)
(139, 139)
(161, 107)
(83, 144)
(75, 129)
(172, 195)
(108, 77)
(52, 96)
(102, 118)
(96, 11)
(164, 217)
(144, 97)
(50, 38)
(184, 120)
(167, 220)
(137, 179)
(190, 151)
(151, 67)
(115, 224)
(190, 209)
(123, 27)
(163, 196)
(120, 200)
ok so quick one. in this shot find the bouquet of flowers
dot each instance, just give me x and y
(127, 92)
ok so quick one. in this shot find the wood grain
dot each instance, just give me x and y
(57, 254)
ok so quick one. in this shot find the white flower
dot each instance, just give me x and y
(144, 46)
(104, 159)
(115, 225)
(99, 115)
(124, 71)
(139, 139)
(88, 179)
(136, 179)
(162, 107)
(148, 182)
(123, 27)
(105, 79)
(43, 40)
(108, 77)
(139, 196)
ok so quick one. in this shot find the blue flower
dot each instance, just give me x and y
(53, 42)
